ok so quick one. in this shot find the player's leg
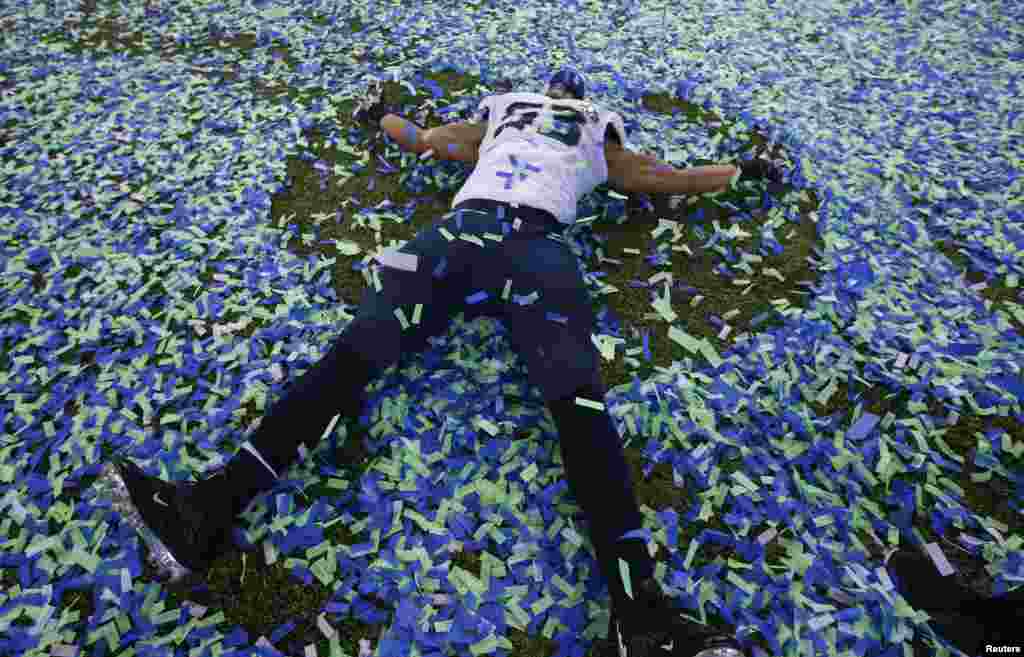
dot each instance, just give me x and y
(553, 337)
(644, 621)
(190, 524)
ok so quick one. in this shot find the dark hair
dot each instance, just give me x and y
(572, 80)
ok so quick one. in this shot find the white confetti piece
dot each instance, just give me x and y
(330, 427)
(364, 648)
(398, 260)
(939, 559)
(325, 627)
(276, 372)
(269, 553)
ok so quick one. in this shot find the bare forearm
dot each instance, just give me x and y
(451, 142)
(407, 134)
(655, 177)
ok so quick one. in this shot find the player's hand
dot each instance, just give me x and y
(370, 108)
(764, 166)
(761, 169)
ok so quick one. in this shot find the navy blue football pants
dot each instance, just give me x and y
(552, 334)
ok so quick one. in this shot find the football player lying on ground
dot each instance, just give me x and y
(534, 156)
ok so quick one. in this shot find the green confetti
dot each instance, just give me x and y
(485, 646)
(347, 247)
(543, 604)
(488, 426)
(626, 581)
(588, 403)
(401, 318)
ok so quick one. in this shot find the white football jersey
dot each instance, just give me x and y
(542, 152)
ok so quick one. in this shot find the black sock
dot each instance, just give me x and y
(601, 483)
(244, 478)
(333, 386)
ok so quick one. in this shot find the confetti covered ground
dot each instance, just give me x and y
(804, 375)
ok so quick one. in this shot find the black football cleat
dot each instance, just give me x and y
(184, 534)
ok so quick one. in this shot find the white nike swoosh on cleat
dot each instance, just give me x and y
(156, 498)
(669, 645)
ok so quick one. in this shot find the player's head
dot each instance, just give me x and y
(567, 83)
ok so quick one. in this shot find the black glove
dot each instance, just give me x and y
(760, 169)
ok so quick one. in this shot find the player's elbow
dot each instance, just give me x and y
(622, 171)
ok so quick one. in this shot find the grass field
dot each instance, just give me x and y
(260, 597)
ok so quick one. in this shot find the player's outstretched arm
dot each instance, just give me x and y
(635, 173)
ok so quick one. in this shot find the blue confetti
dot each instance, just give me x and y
(862, 427)
(440, 268)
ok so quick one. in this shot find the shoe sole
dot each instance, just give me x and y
(112, 485)
(926, 589)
